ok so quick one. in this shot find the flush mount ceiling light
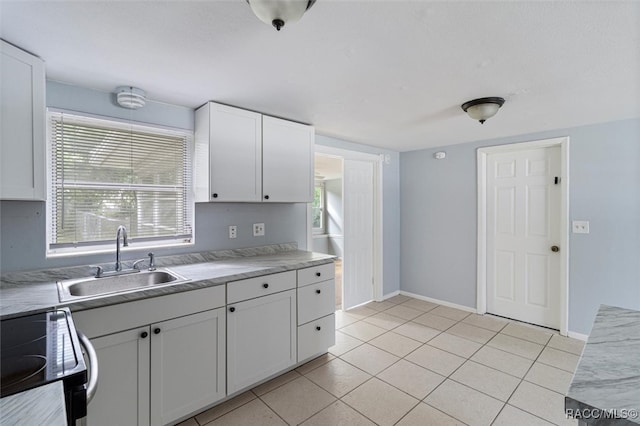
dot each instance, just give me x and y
(482, 109)
(130, 97)
(279, 12)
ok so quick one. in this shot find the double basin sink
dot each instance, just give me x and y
(83, 288)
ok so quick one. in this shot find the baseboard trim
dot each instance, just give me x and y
(578, 336)
(390, 295)
(439, 302)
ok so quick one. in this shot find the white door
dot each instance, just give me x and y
(187, 365)
(358, 233)
(523, 235)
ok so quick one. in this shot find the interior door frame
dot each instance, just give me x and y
(378, 169)
(482, 154)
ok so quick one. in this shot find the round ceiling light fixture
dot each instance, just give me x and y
(482, 109)
(279, 12)
(130, 97)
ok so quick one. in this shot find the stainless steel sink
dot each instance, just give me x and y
(90, 287)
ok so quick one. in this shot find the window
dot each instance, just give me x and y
(318, 208)
(105, 173)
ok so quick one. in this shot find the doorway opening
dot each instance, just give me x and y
(523, 248)
(345, 221)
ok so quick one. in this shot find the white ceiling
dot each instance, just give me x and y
(327, 167)
(384, 73)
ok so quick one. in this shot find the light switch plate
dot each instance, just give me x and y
(233, 231)
(580, 226)
(258, 229)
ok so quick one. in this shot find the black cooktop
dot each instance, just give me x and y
(38, 349)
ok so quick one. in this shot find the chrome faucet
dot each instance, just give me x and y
(122, 230)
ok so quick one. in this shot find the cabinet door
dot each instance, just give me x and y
(22, 125)
(122, 396)
(261, 338)
(234, 140)
(187, 365)
(287, 161)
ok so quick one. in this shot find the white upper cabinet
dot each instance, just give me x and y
(243, 156)
(228, 154)
(287, 161)
(22, 125)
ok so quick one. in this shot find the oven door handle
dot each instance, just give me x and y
(93, 365)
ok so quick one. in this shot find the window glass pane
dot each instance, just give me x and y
(317, 207)
(105, 174)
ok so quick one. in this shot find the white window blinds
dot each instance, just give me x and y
(106, 173)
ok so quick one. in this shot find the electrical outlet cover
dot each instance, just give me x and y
(258, 229)
(580, 226)
(233, 231)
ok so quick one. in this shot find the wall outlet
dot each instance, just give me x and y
(233, 231)
(580, 226)
(258, 229)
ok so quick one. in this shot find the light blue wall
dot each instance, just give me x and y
(438, 205)
(23, 224)
(390, 208)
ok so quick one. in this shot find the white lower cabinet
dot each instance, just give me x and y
(165, 358)
(261, 338)
(187, 365)
(157, 374)
(122, 396)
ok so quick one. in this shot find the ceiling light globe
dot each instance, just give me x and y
(279, 12)
(483, 108)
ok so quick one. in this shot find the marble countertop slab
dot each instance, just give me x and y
(33, 291)
(43, 405)
(608, 375)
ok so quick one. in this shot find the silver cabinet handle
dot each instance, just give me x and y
(93, 365)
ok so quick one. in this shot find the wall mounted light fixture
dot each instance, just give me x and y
(279, 12)
(482, 109)
(130, 97)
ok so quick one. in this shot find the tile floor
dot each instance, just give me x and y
(409, 362)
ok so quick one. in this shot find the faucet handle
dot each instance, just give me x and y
(99, 270)
(152, 265)
(136, 264)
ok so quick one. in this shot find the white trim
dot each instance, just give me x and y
(563, 143)
(378, 243)
(579, 336)
(390, 295)
(309, 228)
(438, 301)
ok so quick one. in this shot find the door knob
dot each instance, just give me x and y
(555, 249)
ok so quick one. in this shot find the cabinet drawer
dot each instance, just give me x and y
(260, 286)
(316, 337)
(111, 319)
(316, 274)
(316, 300)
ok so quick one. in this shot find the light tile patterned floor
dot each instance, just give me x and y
(410, 362)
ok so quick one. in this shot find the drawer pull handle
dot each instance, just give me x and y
(144, 334)
(318, 291)
(156, 330)
(265, 285)
(232, 309)
(318, 274)
(214, 195)
(318, 328)
(266, 197)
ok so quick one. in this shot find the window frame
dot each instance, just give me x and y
(136, 243)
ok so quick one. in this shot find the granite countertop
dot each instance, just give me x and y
(33, 291)
(43, 405)
(607, 380)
